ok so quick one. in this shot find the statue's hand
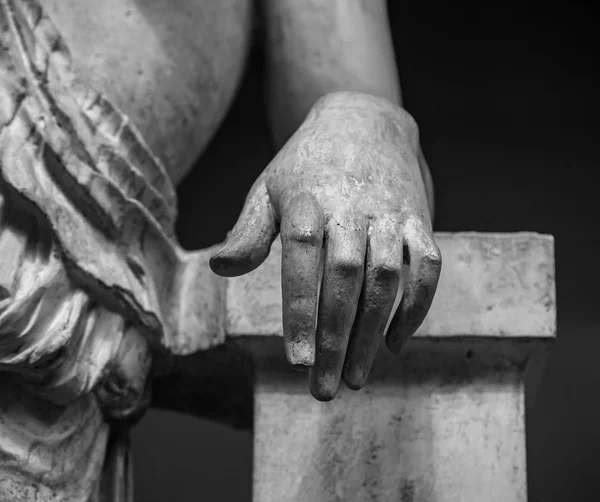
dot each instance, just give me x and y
(347, 195)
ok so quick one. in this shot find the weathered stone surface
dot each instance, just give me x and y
(443, 422)
(432, 425)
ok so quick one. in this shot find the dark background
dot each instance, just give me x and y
(506, 100)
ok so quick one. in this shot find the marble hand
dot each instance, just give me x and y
(347, 196)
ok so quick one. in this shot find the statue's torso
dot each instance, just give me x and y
(172, 66)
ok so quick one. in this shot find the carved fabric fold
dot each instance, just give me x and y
(79, 167)
(88, 261)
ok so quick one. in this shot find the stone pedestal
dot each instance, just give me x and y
(444, 421)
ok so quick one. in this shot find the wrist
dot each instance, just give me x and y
(371, 105)
(375, 112)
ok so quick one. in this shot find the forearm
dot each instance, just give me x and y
(315, 48)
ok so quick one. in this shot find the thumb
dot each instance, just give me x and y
(249, 242)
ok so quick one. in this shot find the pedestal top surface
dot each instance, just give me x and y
(491, 285)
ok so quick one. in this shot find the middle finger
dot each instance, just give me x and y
(345, 248)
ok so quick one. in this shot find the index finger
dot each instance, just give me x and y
(302, 226)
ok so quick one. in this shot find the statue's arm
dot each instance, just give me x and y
(315, 48)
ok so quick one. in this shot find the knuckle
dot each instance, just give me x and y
(386, 267)
(348, 265)
(432, 255)
(427, 251)
(302, 234)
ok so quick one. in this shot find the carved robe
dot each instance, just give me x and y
(92, 280)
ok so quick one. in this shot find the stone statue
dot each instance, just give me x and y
(104, 106)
